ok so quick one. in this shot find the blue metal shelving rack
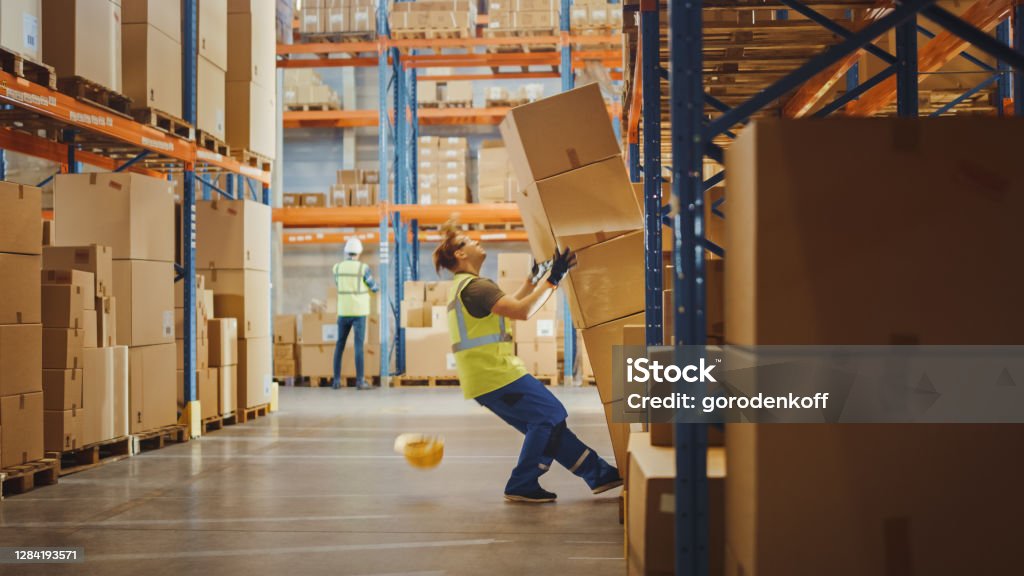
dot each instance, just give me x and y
(692, 135)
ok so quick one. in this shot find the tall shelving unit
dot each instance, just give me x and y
(117, 143)
(679, 46)
(398, 216)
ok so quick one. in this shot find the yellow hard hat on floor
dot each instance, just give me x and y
(421, 450)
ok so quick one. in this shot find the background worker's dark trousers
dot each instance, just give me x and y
(345, 326)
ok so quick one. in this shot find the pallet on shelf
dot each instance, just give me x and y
(513, 33)
(210, 142)
(248, 414)
(504, 103)
(425, 381)
(96, 94)
(24, 477)
(313, 106)
(93, 455)
(430, 33)
(338, 37)
(22, 67)
(159, 437)
(251, 159)
(165, 122)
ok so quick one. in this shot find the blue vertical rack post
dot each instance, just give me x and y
(650, 39)
(401, 186)
(1003, 81)
(568, 83)
(385, 185)
(414, 182)
(188, 202)
(565, 69)
(1018, 45)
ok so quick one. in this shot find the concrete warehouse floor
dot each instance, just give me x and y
(317, 489)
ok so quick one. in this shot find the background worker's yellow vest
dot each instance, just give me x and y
(485, 356)
(353, 294)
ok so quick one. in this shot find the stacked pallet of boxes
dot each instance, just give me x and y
(803, 269)
(286, 352)
(21, 389)
(434, 18)
(319, 336)
(304, 89)
(442, 170)
(424, 315)
(134, 216)
(522, 15)
(21, 32)
(83, 40)
(355, 188)
(223, 375)
(536, 339)
(151, 54)
(232, 250)
(595, 15)
(206, 390)
(497, 181)
(251, 77)
(211, 69)
(338, 17)
(577, 194)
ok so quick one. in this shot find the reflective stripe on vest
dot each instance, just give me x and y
(465, 342)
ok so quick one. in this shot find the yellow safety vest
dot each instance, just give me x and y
(485, 355)
(353, 294)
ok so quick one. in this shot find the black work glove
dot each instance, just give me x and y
(538, 269)
(561, 263)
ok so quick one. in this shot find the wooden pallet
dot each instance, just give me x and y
(316, 106)
(253, 413)
(521, 33)
(159, 437)
(93, 93)
(251, 159)
(506, 103)
(93, 455)
(425, 381)
(430, 33)
(25, 477)
(313, 381)
(228, 419)
(549, 380)
(350, 381)
(338, 37)
(212, 424)
(287, 380)
(165, 122)
(210, 142)
(22, 67)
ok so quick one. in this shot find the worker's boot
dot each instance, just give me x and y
(538, 496)
(362, 385)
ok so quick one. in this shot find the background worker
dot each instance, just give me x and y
(355, 282)
(490, 372)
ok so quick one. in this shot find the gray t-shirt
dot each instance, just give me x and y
(480, 296)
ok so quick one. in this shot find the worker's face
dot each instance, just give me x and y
(472, 250)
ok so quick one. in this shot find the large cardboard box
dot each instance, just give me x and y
(99, 395)
(599, 341)
(429, 352)
(63, 306)
(286, 329)
(251, 46)
(888, 503)
(151, 61)
(208, 391)
(62, 348)
(106, 321)
(250, 118)
(223, 341)
(122, 414)
(371, 358)
(164, 15)
(95, 259)
(131, 213)
(19, 292)
(212, 88)
(608, 282)
(21, 416)
(21, 222)
(19, 27)
(213, 32)
(227, 389)
(541, 327)
(152, 383)
(559, 133)
(317, 360)
(83, 38)
(21, 357)
(551, 208)
(62, 389)
(255, 373)
(232, 234)
(62, 430)
(83, 282)
(145, 296)
(245, 295)
(514, 266)
(813, 264)
(319, 328)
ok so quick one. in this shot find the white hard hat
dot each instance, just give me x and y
(354, 246)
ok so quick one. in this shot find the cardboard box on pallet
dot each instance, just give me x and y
(286, 329)
(540, 357)
(207, 390)
(255, 373)
(83, 38)
(227, 388)
(21, 357)
(232, 234)
(213, 34)
(608, 282)
(100, 390)
(62, 430)
(599, 341)
(371, 360)
(319, 328)
(20, 29)
(106, 322)
(131, 213)
(211, 87)
(164, 15)
(250, 41)
(202, 353)
(250, 125)
(317, 360)
(152, 394)
(284, 352)
(21, 416)
(245, 295)
(94, 259)
(62, 389)
(19, 293)
(145, 295)
(151, 64)
(223, 342)
(20, 208)
(62, 348)
(540, 327)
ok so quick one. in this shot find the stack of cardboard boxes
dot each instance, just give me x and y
(319, 336)
(251, 77)
(232, 248)
(444, 94)
(286, 352)
(355, 188)
(223, 365)
(21, 389)
(536, 338)
(595, 15)
(442, 170)
(304, 88)
(455, 17)
(205, 389)
(134, 216)
(505, 15)
(338, 16)
(212, 66)
(424, 315)
(151, 54)
(497, 181)
(22, 32)
(83, 39)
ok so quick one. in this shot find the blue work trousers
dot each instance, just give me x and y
(345, 326)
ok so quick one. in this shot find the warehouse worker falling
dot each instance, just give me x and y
(490, 373)
(355, 282)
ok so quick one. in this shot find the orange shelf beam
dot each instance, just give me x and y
(369, 216)
(320, 238)
(426, 117)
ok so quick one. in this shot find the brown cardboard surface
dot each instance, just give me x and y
(21, 358)
(152, 387)
(62, 430)
(212, 87)
(20, 28)
(254, 372)
(319, 328)
(371, 359)
(20, 210)
(98, 395)
(94, 259)
(429, 352)
(19, 292)
(21, 416)
(62, 348)
(599, 341)
(106, 321)
(223, 341)
(83, 281)
(83, 38)
(251, 46)
(213, 32)
(227, 389)
(91, 339)
(608, 282)
(540, 357)
(62, 389)
(284, 352)
(164, 15)
(121, 376)
(513, 266)
(619, 433)
(232, 234)
(541, 326)
(245, 295)
(63, 306)
(814, 265)
(151, 64)
(317, 360)
(131, 213)
(558, 134)
(145, 301)
(207, 389)
(286, 329)
(250, 123)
